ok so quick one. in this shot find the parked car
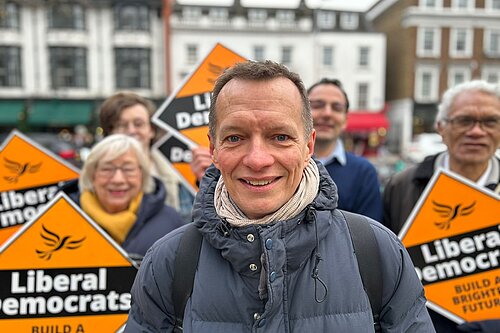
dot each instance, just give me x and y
(52, 141)
(423, 145)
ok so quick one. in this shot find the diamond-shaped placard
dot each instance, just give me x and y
(62, 273)
(29, 177)
(453, 238)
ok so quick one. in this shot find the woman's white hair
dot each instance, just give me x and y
(109, 149)
(450, 95)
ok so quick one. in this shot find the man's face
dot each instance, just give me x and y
(474, 145)
(134, 121)
(260, 145)
(329, 121)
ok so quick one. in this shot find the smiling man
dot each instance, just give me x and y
(355, 177)
(468, 119)
(276, 254)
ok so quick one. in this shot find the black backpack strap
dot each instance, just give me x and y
(368, 256)
(186, 262)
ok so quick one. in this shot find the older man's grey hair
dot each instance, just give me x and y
(109, 149)
(449, 95)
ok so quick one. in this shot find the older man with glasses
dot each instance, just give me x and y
(355, 177)
(468, 119)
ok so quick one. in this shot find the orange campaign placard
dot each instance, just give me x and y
(29, 178)
(184, 115)
(453, 238)
(62, 273)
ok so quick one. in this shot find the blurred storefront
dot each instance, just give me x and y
(366, 132)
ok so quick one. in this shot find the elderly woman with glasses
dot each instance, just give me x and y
(118, 192)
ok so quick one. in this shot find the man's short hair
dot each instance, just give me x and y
(260, 71)
(334, 82)
(449, 95)
(108, 149)
(112, 108)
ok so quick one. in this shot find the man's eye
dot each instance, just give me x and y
(281, 137)
(233, 138)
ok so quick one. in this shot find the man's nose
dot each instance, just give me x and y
(258, 155)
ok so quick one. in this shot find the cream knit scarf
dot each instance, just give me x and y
(305, 194)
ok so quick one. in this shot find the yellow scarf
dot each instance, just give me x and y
(117, 225)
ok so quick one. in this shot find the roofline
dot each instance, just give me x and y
(378, 8)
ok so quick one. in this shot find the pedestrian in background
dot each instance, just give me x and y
(117, 191)
(355, 177)
(468, 120)
(129, 113)
(276, 254)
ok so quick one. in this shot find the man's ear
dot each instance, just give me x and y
(310, 145)
(213, 153)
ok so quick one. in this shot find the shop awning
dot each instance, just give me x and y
(60, 113)
(366, 121)
(10, 111)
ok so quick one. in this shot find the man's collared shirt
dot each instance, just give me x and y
(338, 153)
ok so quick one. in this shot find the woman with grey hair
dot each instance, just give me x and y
(118, 192)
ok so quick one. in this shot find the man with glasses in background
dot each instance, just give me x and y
(355, 177)
(468, 119)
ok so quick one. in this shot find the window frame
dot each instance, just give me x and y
(328, 56)
(349, 20)
(77, 57)
(433, 95)
(436, 42)
(12, 68)
(326, 19)
(12, 16)
(487, 43)
(76, 20)
(363, 97)
(468, 41)
(141, 63)
(141, 17)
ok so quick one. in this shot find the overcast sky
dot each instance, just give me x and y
(327, 4)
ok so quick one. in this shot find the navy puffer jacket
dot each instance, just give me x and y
(226, 294)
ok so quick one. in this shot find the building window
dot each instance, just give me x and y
(491, 75)
(461, 42)
(191, 14)
(286, 55)
(66, 16)
(492, 43)
(218, 15)
(364, 56)
(428, 42)
(492, 4)
(426, 84)
(257, 15)
(349, 21)
(10, 66)
(133, 69)
(131, 17)
(431, 3)
(327, 60)
(457, 75)
(259, 53)
(325, 20)
(363, 96)
(462, 4)
(9, 15)
(68, 67)
(191, 54)
(285, 17)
